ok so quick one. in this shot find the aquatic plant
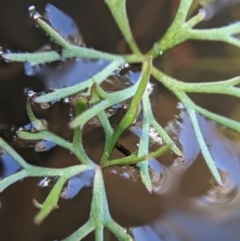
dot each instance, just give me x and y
(93, 103)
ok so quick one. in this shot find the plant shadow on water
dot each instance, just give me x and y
(185, 204)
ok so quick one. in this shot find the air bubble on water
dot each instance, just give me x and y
(47, 182)
(203, 13)
(125, 175)
(3, 52)
(149, 88)
(130, 173)
(32, 95)
(113, 171)
(157, 50)
(154, 137)
(20, 128)
(33, 12)
(29, 93)
(180, 106)
(44, 182)
(124, 66)
(67, 100)
(125, 106)
(44, 105)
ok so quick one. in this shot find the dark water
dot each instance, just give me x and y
(185, 205)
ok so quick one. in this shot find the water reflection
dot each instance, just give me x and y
(158, 175)
(63, 24)
(73, 186)
(212, 8)
(77, 183)
(65, 73)
(44, 145)
(187, 138)
(157, 232)
(47, 182)
(171, 212)
(7, 165)
(201, 210)
(221, 194)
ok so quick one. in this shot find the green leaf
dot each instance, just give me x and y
(99, 215)
(131, 114)
(37, 123)
(45, 135)
(204, 149)
(81, 106)
(51, 201)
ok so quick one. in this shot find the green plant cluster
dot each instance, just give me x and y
(180, 30)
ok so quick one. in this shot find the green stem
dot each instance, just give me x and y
(33, 171)
(132, 159)
(99, 233)
(46, 135)
(144, 142)
(118, 10)
(81, 232)
(51, 201)
(52, 33)
(166, 138)
(131, 113)
(203, 147)
(222, 34)
(15, 156)
(113, 99)
(176, 33)
(4, 183)
(230, 124)
(81, 106)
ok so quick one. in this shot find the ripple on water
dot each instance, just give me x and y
(209, 213)
(159, 174)
(221, 194)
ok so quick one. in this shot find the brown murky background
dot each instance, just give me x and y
(184, 206)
